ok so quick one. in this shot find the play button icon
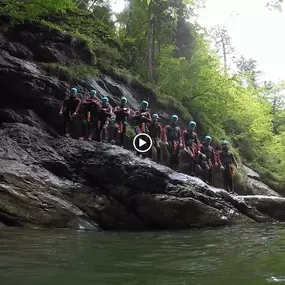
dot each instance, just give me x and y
(142, 143)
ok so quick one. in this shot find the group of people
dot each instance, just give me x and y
(96, 116)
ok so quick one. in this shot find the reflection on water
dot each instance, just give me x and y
(229, 256)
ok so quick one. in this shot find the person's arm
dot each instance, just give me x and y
(159, 135)
(136, 115)
(77, 106)
(180, 137)
(117, 110)
(166, 134)
(215, 159)
(63, 106)
(196, 140)
(148, 117)
(109, 111)
(184, 139)
(234, 160)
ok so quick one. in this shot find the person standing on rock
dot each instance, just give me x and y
(173, 140)
(90, 108)
(155, 132)
(191, 145)
(142, 117)
(207, 159)
(122, 114)
(103, 120)
(227, 161)
(69, 110)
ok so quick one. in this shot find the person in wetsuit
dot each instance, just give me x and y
(142, 118)
(69, 110)
(155, 132)
(207, 159)
(173, 140)
(90, 108)
(103, 120)
(122, 114)
(227, 160)
(191, 145)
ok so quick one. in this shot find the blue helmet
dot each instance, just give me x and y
(155, 116)
(224, 143)
(207, 138)
(74, 90)
(174, 117)
(124, 99)
(144, 103)
(105, 99)
(93, 92)
(192, 123)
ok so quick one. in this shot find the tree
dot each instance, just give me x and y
(275, 95)
(248, 72)
(223, 44)
(275, 4)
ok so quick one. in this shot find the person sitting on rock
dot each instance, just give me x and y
(122, 114)
(191, 144)
(173, 140)
(69, 110)
(207, 159)
(90, 108)
(142, 117)
(155, 132)
(103, 120)
(227, 161)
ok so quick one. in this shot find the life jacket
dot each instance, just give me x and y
(189, 137)
(154, 130)
(207, 150)
(173, 133)
(226, 158)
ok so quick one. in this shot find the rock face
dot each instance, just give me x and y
(50, 181)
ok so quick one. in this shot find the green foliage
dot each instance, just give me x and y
(72, 73)
(36, 9)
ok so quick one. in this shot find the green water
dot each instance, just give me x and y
(231, 256)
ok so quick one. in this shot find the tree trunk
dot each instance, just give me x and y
(225, 56)
(149, 45)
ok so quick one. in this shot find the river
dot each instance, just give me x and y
(230, 256)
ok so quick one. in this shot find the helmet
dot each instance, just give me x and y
(192, 123)
(124, 99)
(207, 138)
(224, 143)
(144, 103)
(74, 90)
(93, 92)
(155, 116)
(174, 117)
(105, 99)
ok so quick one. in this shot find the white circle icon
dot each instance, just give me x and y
(141, 141)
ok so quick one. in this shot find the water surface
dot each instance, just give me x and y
(228, 256)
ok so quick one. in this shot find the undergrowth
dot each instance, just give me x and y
(72, 73)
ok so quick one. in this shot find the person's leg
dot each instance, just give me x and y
(158, 153)
(225, 179)
(210, 176)
(84, 127)
(105, 131)
(123, 135)
(66, 124)
(115, 132)
(99, 130)
(176, 157)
